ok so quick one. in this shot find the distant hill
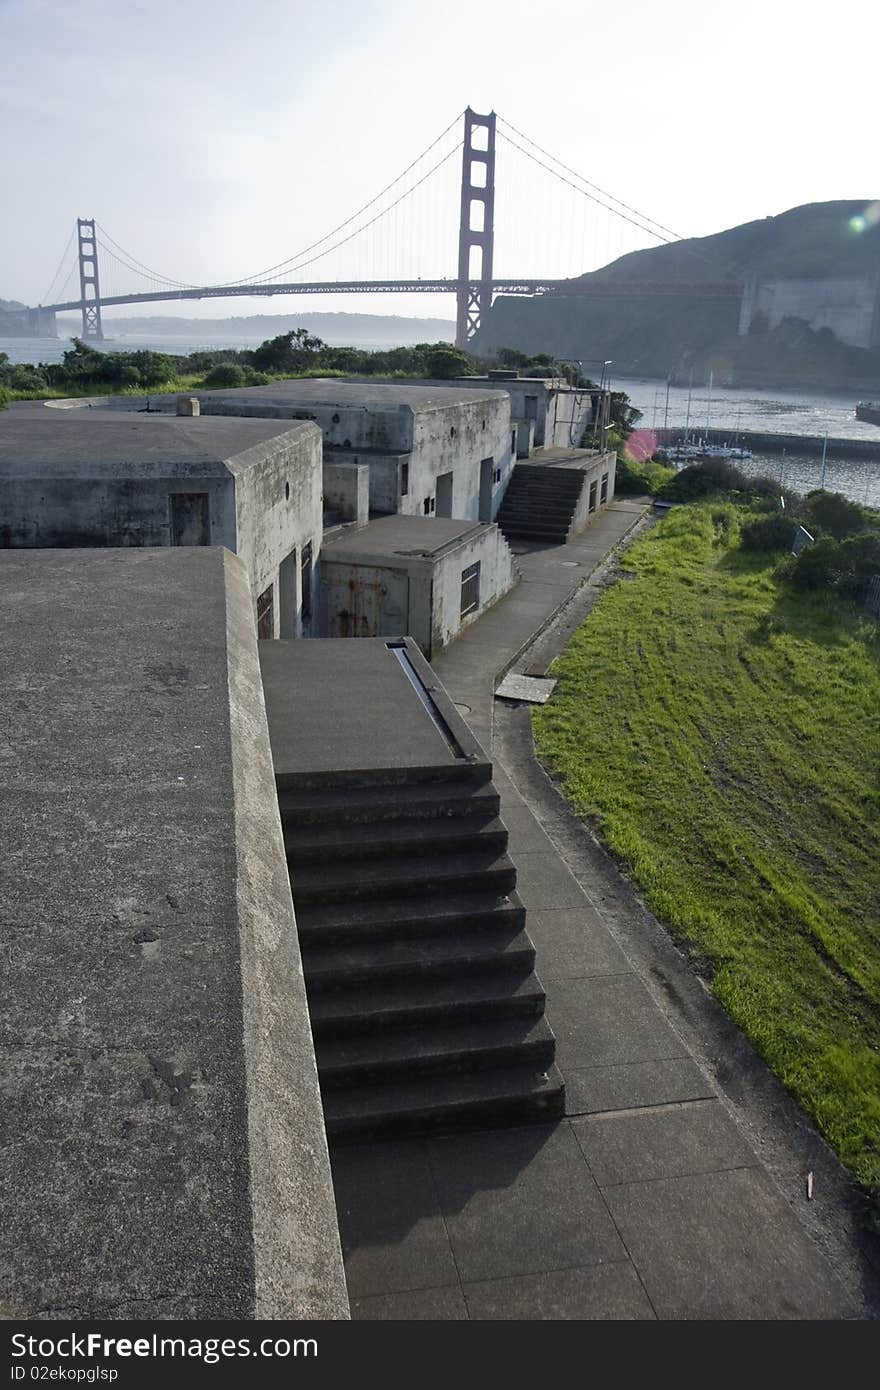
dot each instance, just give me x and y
(650, 335)
(338, 329)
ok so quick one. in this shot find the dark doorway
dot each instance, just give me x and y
(444, 494)
(266, 613)
(305, 589)
(487, 468)
(190, 518)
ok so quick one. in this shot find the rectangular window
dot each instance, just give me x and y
(470, 589)
(592, 497)
(496, 476)
(603, 495)
(265, 613)
(429, 505)
(305, 586)
(404, 479)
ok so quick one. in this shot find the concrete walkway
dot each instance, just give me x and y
(648, 1200)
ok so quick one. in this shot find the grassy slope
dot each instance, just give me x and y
(724, 733)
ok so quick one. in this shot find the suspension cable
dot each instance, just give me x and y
(642, 216)
(138, 266)
(342, 225)
(47, 297)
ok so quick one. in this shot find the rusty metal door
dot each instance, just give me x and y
(367, 602)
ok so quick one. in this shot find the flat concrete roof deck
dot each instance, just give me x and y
(94, 442)
(405, 536)
(163, 1147)
(346, 705)
(299, 392)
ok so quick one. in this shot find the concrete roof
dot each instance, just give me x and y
(148, 929)
(95, 443)
(399, 535)
(348, 706)
(300, 392)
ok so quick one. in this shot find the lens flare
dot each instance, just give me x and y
(864, 220)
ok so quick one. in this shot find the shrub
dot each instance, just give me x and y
(860, 559)
(225, 374)
(646, 476)
(833, 514)
(252, 378)
(769, 533)
(701, 479)
(820, 566)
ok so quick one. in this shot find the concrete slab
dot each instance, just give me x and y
(696, 1137)
(628, 1085)
(520, 1201)
(345, 705)
(611, 1291)
(399, 535)
(393, 1234)
(723, 1245)
(543, 881)
(418, 1305)
(573, 943)
(532, 690)
(607, 1019)
(157, 1062)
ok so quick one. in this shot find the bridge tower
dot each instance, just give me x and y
(89, 289)
(476, 236)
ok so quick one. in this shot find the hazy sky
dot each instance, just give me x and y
(212, 138)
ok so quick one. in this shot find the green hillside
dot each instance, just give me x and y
(651, 335)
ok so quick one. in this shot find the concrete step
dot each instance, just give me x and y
(528, 1092)
(536, 533)
(314, 844)
(402, 918)
(461, 769)
(443, 1048)
(417, 1002)
(453, 953)
(392, 876)
(380, 803)
(542, 509)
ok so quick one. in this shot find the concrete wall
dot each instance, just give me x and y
(347, 489)
(457, 438)
(279, 510)
(163, 1149)
(414, 595)
(849, 306)
(497, 577)
(594, 473)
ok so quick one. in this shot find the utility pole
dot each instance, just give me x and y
(89, 288)
(474, 296)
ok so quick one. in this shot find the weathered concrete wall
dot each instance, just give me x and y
(163, 1148)
(603, 468)
(279, 510)
(456, 439)
(47, 513)
(849, 306)
(497, 577)
(347, 489)
(407, 590)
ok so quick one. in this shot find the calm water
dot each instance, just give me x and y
(52, 349)
(782, 412)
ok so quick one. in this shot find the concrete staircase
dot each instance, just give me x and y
(426, 1012)
(540, 503)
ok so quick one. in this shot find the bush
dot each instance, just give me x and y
(769, 533)
(832, 514)
(860, 560)
(702, 479)
(225, 374)
(820, 566)
(642, 477)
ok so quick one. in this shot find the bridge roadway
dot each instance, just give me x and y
(526, 286)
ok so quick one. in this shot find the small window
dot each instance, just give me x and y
(265, 613)
(429, 506)
(305, 585)
(513, 442)
(603, 494)
(470, 589)
(404, 479)
(592, 497)
(496, 476)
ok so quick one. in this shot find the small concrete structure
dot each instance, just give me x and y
(96, 478)
(422, 576)
(552, 497)
(432, 450)
(545, 411)
(164, 1153)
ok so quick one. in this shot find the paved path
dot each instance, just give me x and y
(647, 1200)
